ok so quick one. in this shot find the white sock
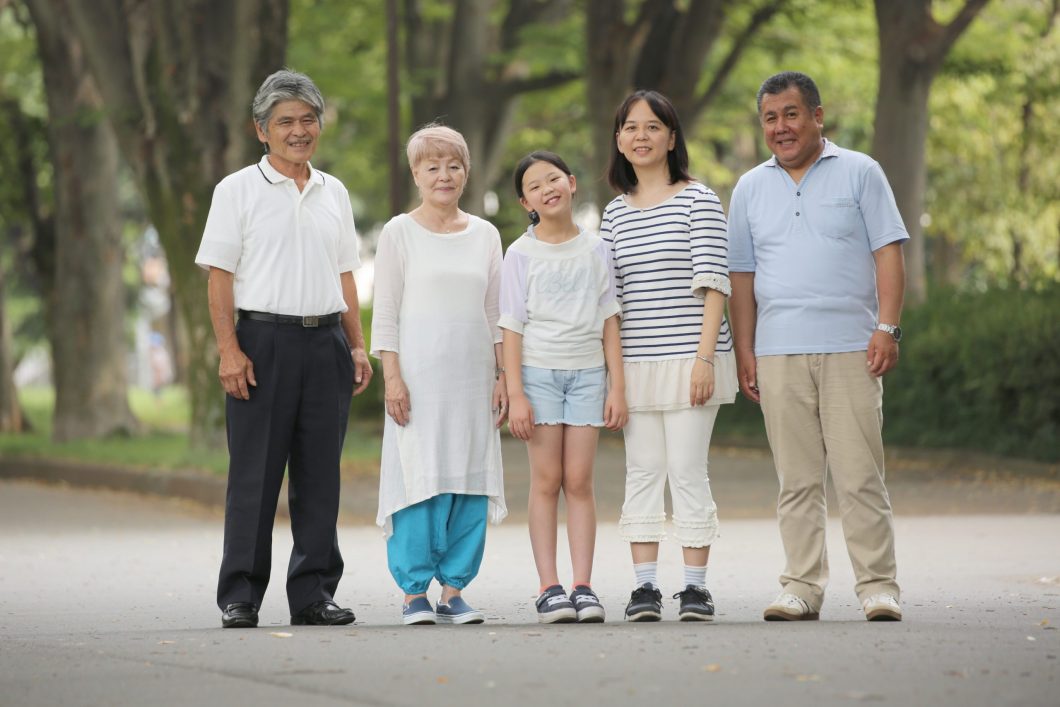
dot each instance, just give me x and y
(696, 576)
(647, 573)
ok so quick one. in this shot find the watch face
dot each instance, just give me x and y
(897, 333)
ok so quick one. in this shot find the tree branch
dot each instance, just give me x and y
(957, 25)
(761, 16)
(517, 86)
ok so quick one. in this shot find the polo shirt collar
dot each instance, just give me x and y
(830, 150)
(272, 176)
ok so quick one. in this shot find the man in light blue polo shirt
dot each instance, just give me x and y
(815, 260)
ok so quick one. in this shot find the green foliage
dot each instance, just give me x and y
(979, 370)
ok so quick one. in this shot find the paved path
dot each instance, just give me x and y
(107, 599)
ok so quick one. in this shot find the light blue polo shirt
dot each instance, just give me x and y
(810, 247)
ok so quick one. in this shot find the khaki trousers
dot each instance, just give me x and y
(824, 415)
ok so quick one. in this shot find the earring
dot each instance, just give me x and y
(534, 218)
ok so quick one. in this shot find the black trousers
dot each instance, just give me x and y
(296, 419)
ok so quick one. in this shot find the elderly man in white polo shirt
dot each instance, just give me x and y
(281, 249)
(815, 260)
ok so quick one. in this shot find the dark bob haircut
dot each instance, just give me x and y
(620, 174)
(537, 156)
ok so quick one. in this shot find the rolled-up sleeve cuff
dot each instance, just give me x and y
(510, 323)
(712, 281)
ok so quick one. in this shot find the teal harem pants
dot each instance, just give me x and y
(441, 538)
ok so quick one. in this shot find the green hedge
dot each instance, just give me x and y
(979, 371)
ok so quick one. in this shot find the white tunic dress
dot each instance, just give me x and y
(436, 306)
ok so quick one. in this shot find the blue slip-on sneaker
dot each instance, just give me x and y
(418, 612)
(553, 607)
(457, 611)
(587, 604)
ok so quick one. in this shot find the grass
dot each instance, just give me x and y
(163, 443)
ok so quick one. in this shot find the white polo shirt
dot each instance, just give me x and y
(285, 247)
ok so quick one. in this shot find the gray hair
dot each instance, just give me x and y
(285, 85)
(778, 83)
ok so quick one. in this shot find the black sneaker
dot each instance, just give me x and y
(696, 604)
(587, 604)
(645, 604)
(553, 607)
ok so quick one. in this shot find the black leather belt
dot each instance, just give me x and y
(323, 320)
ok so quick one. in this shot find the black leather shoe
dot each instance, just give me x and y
(323, 613)
(239, 615)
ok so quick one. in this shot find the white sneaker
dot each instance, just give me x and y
(788, 607)
(882, 607)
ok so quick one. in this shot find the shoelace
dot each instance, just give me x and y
(644, 594)
(698, 593)
(556, 599)
(585, 598)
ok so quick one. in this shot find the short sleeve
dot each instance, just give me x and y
(349, 243)
(741, 247)
(883, 221)
(513, 292)
(708, 241)
(222, 238)
(608, 306)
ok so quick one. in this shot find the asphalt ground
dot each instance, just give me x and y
(108, 599)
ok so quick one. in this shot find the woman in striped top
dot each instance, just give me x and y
(668, 240)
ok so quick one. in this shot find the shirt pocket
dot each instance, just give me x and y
(838, 218)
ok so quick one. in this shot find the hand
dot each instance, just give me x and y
(883, 353)
(500, 400)
(616, 413)
(521, 417)
(396, 399)
(747, 374)
(702, 384)
(362, 370)
(236, 373)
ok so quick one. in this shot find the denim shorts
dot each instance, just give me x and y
(561, 397)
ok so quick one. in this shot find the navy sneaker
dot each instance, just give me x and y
(645, 604)
(457, 611)
(696, 604)
(418, 612)
(587, 604)
(553, 607)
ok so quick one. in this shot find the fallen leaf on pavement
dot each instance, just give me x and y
(281, 634)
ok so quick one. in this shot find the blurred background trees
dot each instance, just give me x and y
(955, 98)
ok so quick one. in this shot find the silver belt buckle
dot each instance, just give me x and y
(310, 321)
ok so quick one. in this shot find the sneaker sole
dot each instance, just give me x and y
(420, 619)
(591, 615)
(560, 616)
(693, 616)
(883, 615)
(778, 615)
(644, 616)
(475, 617)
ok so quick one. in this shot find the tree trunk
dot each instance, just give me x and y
(87, 312)
(664, 49)
(177, 79)
(912, 48)
(10, 411)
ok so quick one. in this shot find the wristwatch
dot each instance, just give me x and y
(892, 329)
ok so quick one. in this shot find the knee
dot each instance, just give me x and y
(545, 486)
(578, 489)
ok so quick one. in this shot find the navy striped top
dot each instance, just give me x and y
(664, 257)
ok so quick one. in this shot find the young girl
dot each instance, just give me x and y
(559, 316)
(668, 240)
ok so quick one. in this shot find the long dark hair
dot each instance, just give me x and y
(620, 173)
(537, 156)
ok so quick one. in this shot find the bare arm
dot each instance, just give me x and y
(396, 393)
(520, 413)
(500, 388)
(701, 387)
(743, 316)
(890, 291)
(235, 370)
(351, 324)
(616, 411)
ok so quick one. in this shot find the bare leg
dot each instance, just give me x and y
(644, 552)
(546, 476)
(579, 451)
